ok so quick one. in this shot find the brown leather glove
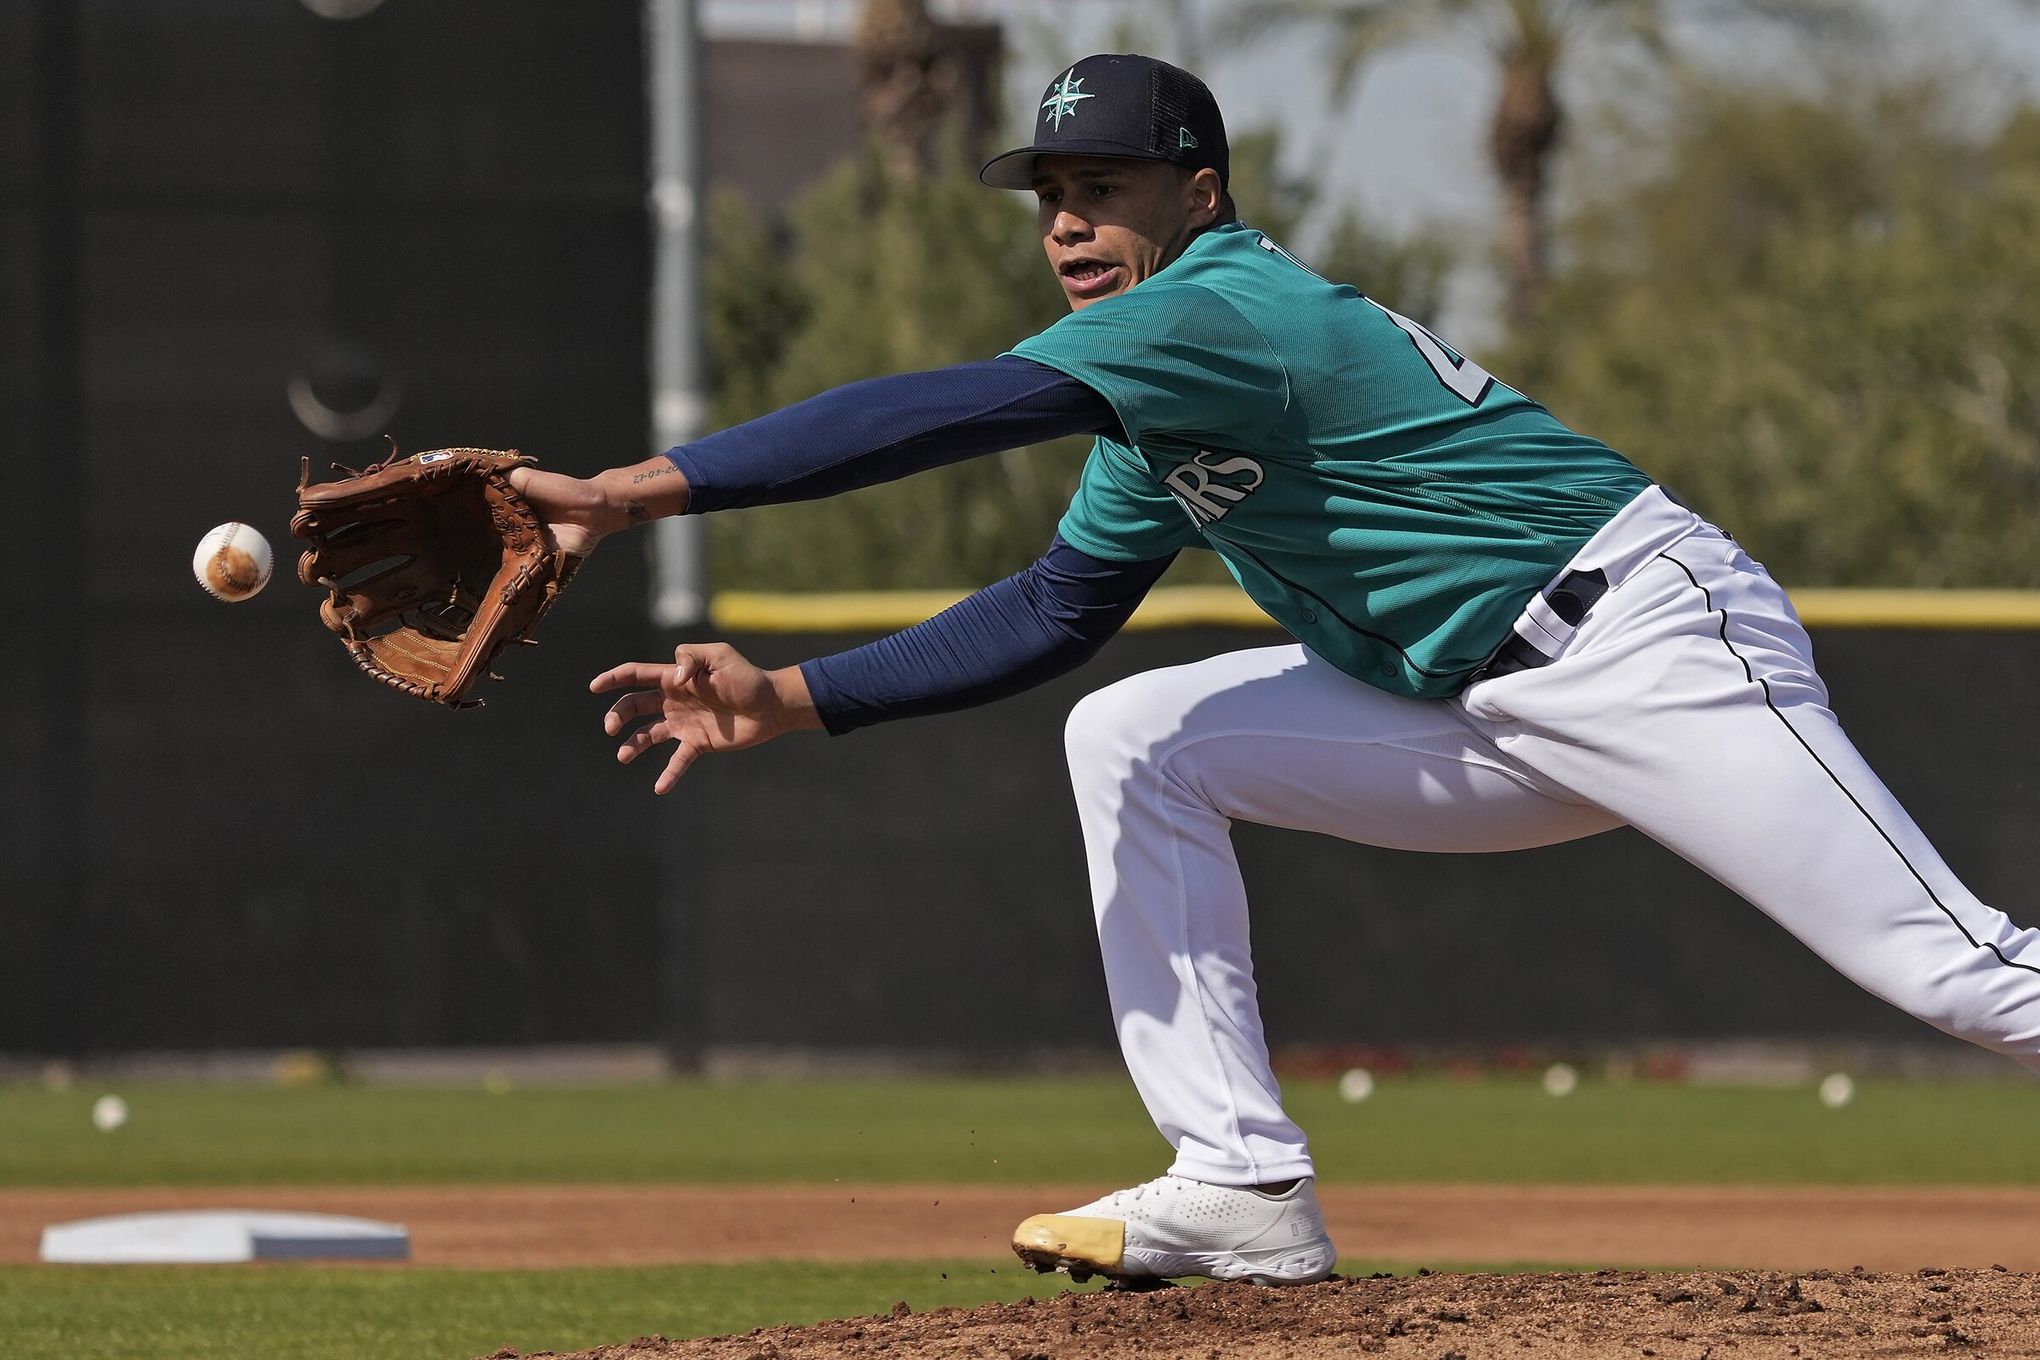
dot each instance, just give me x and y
(432, 564)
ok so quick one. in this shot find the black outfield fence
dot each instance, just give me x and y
(276, 852)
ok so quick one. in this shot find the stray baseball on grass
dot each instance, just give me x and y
(109, 1113)
(1356, 1085)
(1837, 1090)
(1560, 1079)
(232, 562)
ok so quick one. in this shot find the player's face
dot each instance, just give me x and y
(1107, 224)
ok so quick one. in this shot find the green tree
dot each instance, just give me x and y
(1407, 274)
(1530, 42)
(1818, 324)
(754, 307)
(878, 274)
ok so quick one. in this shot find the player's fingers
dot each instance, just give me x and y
(630, 675)
(690, 662)
(641, 741)
(637, 704)
(694, 661)
(683, 756)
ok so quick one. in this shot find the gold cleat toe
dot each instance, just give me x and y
(1065, 1242)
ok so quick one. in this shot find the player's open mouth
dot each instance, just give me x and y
(1089, 278)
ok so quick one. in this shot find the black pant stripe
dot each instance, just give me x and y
(1708, 598)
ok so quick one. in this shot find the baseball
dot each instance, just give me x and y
(1561, 1079)
(232, 562)
(1356, 1085)
(109, 1113)
(1837, 1090)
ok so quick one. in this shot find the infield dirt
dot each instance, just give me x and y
(1748, 1315)
(545, 1226)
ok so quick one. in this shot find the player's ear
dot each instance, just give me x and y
(1205, 194)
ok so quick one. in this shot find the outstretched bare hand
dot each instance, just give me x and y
(709, 698)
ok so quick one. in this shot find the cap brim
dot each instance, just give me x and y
(1015, 169)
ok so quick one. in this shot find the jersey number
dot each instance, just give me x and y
(1462, 377)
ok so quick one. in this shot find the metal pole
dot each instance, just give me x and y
(678, 390)
(679, 408)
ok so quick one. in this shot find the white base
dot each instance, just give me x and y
(223, 1236)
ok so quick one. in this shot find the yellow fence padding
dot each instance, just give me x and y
(879, 611)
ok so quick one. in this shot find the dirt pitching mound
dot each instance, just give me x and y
(1743, 1315)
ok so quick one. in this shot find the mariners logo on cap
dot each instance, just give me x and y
(1146, 110)
(1062, 99)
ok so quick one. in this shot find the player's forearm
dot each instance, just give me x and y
(797, 712)
(1008, 637)
(642, 492)
(581, 511)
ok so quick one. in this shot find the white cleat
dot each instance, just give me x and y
(1173, 1226)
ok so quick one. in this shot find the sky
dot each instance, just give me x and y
(1407, 147)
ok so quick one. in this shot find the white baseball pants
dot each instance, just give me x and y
(1685, 704)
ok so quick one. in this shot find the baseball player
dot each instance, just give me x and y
(1505, 635)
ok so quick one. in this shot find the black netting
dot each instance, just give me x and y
(1179, 102)
(1170, 94)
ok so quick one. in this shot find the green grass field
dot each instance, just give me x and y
(1417, 1130)
(336, 1313)
(289, 1312)
(987, 1132)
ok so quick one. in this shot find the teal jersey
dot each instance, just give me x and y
(1378, 494)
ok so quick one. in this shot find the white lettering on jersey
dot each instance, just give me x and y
(1196, 487)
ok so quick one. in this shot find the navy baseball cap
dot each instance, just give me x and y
(1123, 105)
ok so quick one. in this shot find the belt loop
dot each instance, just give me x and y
(1569, 597)
(1575, 593)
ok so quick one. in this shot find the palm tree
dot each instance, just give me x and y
(1529, 40)
(903, 83)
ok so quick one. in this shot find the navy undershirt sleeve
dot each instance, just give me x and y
(887, 428)
(1008, 637)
